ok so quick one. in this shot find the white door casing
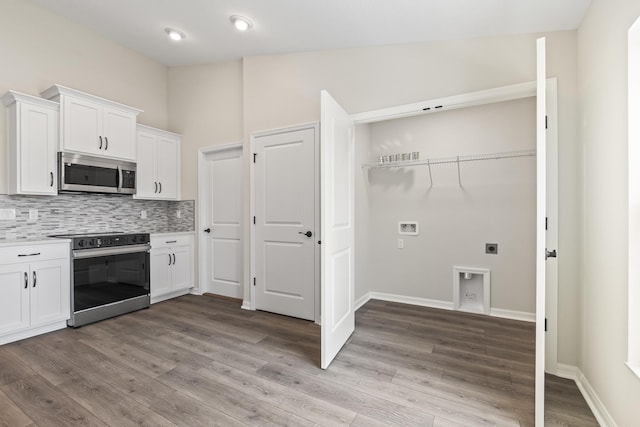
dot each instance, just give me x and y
(541, 213)
(221, 247)
(285, 208)
(337, 150)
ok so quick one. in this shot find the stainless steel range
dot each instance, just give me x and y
(110, 275)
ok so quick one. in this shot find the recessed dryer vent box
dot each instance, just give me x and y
(408, 227)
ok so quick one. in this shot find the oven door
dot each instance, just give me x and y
(110, 275)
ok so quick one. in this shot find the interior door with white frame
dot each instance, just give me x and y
(285, 217)
(541, 215)
(221, 189)
(337, 224)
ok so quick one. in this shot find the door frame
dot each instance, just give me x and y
(202, 177)
(252, 209)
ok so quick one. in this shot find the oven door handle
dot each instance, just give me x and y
(117, 250)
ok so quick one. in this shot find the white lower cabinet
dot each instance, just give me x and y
(35, 290)
(171, 265)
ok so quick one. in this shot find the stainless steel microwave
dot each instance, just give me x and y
(89, 174)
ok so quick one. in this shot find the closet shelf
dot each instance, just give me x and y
(450, 160)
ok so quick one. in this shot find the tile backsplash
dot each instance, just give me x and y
(84, 213)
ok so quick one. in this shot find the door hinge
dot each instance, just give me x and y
(254, 220)
(254, 157)
(254, 281)
(545, 324)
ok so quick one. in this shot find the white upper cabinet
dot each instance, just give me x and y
(158, 164)
(94, 125)
(32, 125)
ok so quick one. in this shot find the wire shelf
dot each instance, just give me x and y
(450, 160)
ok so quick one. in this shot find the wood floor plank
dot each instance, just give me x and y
(203, 361)
(11, 415)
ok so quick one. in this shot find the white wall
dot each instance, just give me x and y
(496, 204)
(282, 90)
(39, 49)
(602, 61)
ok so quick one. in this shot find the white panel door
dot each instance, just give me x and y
(82, 126)
(146, 173)
(285, 234)
(337, 149)
(181, 268)
(119, 134)
(222, 223)
(161, 262)
(541, 213)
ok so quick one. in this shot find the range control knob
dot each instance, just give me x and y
(81, 243)
(92, 242)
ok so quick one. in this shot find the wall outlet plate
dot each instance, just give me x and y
(7, 214)
(33, 214)
(143, 214)
(411, 228)
(491, 248)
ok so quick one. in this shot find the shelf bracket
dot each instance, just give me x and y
(458, 163)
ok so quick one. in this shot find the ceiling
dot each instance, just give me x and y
(283, 26)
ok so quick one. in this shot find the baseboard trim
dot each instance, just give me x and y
(513, 315)
(445, 305)
(246, 305)
(595, 404)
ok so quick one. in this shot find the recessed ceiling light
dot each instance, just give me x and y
(175, 34)
(241, 23)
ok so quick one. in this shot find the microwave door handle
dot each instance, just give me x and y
(119, 178)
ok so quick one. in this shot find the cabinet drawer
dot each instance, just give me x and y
(32, 253)
(170, 240)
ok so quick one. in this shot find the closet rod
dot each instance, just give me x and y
(456, 159)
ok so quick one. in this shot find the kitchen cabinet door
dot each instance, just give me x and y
(14, 297)
(181, 268)
(168, 156)
(146, 182)
(119, 133)
(82, 127)
(161, 262)
(50, 291)
(38, 146)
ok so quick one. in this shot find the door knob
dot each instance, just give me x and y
(207, 230)
(308, 233)
(550, 254)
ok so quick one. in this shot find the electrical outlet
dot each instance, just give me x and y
(143, 214)
(33, 214)
(400, 243)
(7, 214)
(491, 248)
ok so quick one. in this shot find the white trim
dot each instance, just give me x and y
(252, 144)
(32, 332)
(634, 368)
(202, 153)
(482, 97)
(445, 305)
(246, 305)
(513, 315)
(174, 294)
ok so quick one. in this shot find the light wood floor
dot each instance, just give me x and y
(201, 361)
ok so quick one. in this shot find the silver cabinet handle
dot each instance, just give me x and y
(26, 280)
(35, 279)
(174, 259)
(156, 184)
(100, 148)
(34, 254)
(51, 175)
(171, 241)
(169, 259)
(106, 144)
(160, 185)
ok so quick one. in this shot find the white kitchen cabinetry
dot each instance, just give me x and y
(171, 265)
(35, 289)
(32, 125)
(158, 170)
(93, 125)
